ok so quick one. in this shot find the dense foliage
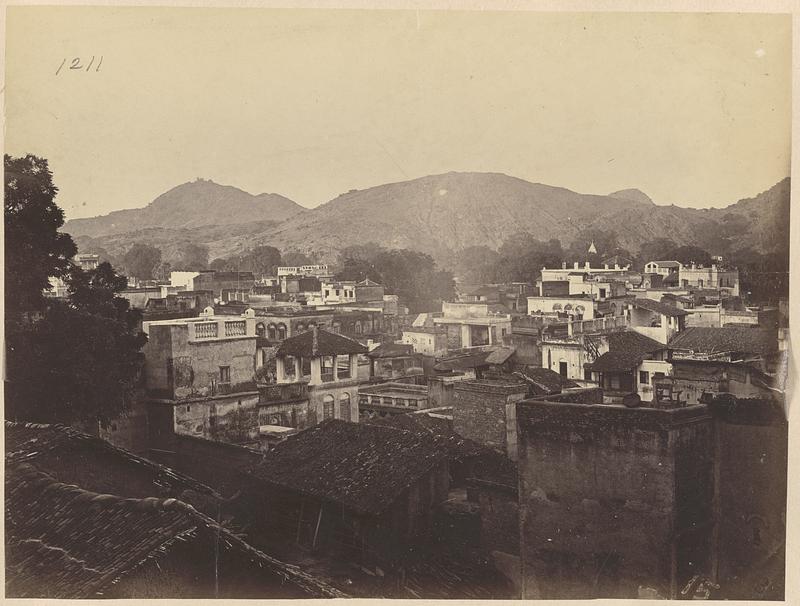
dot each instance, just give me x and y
(411, 275)
(141, 261)
(35, 249)
(72, 360)
(261, 260)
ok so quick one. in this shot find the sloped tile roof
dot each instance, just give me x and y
(626, 350)
(441, 430)
(361, 466)
(391, 350)
(318, 342)
(545, 381)
(66, 542)
(58, 448)
(658, 307)
(707, 340)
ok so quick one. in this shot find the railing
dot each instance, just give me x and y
(236, 329)
(205, 330)
(282, 392)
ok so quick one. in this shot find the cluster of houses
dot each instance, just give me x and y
(588, 435)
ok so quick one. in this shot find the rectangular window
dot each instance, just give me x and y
(644, 377)
(224, 374)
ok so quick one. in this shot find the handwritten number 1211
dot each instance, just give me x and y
(76, 64)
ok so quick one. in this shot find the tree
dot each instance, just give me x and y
(293, 258)
(477, 265)
(521, 257)
(262, 260)
(82, 360)
(141, 260)
(690, 254)
(192, 257)
(35, 249)
(657, 249)
(411, 275)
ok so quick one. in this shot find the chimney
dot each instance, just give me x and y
(616, 265)
(575, 266)
(586, 265)
(563, 265)
(605, 265)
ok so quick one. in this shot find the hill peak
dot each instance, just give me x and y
(633, 194)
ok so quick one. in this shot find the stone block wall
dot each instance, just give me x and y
(601, 496)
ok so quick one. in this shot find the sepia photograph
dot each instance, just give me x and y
(330, 303)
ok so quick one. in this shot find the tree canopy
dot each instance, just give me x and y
(261, 260)
(35, 250)
(411, 275)
(141, 261)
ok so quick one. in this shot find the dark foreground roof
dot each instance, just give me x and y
(66, 542)
(66, 452)
(701, 339)
(475, 358)
(361, 466)
(318, 342)
(658, 307)
(626, 350)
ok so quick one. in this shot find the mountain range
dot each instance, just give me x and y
(437, 214)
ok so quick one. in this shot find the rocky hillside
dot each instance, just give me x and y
(191, 205)
(438, 214)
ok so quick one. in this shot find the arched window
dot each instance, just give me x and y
(281, 331)
(301, 327)
(260, 329)
(327, 407)
(344, 406)
(337, 327)
(556, 306)
(568, 307)
(579, 309)
(272, 332)
(357, 327)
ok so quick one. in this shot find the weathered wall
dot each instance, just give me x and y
(751, 467)
(528, 349)
(571, 353)
(480, 412)
(230, 418)
(598, 501)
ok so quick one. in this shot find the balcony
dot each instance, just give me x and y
(205, 330)
(282, 392)
(236, 329)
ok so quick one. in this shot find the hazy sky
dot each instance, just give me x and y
(692, 109)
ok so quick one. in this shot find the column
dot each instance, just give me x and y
(466, 336)
(297, 368)
(354, 367)
(335, 369)
(489, 328)
(280, 371)
(316, 371)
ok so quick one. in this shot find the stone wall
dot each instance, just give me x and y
(603, 495)
(485, 411)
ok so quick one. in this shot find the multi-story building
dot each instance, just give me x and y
(472, 324)
(725, 280)
(662, 268)
(324, 366)
(199, 375)
(319, 270)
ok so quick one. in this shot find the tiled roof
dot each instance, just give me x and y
(360, 466)
(667, 263)
(700, 339)
(626, 350)
(545, 381)
(658, 307)
(318, 342)
(463, 361)
(59, 449)
(391, 350)
(66, 542)
(441, 430)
